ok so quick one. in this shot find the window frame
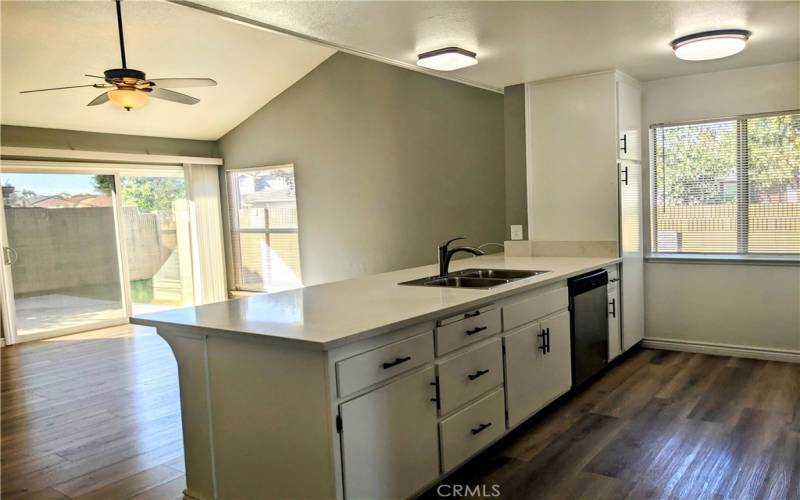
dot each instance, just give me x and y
(741, 256)
(231, 219)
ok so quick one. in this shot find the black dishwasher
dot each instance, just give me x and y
(588, 314)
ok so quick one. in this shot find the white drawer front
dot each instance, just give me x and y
(471, 429)
(371, 367)
(472, 328)
(534, 307)
(469, 375)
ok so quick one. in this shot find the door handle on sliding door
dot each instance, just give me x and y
(10, 256)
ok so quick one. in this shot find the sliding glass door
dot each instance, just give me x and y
(155, 222)
(61, 252)
(86, 247)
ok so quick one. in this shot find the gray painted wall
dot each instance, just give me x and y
(34, 137)
(516, 176)
(388, 162)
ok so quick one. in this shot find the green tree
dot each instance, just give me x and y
(149, 194)
(773, 144)
(695, 162)
(104, 183)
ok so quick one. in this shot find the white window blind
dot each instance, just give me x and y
(727, 186)
(262, 205)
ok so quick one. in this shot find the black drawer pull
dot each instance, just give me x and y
(613, 305)
(396, 362)
(481, 428)
(543, 347)
(624, 142)
(477, 374)
(476, 330)
(472, 315)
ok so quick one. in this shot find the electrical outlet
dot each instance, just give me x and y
(516, 232)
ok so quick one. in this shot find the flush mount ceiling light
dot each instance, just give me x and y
(710, 44)
(447, 59)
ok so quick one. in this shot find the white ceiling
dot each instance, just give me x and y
(52, 44)
(526, 41)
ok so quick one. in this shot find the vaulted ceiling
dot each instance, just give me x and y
(52, 44)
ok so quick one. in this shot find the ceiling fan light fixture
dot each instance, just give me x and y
(447, 59)
(127, 98)
(709, 45)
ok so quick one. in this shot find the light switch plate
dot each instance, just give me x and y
(516, 232)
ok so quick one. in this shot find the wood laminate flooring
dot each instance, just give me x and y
(97, 415)
(659, 424)
(91, 416)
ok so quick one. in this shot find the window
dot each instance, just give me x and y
(263, 220)
(727, 186)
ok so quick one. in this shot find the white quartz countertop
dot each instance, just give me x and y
(333, 314)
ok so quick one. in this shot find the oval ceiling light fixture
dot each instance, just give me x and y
(447, 59)
(710, 44)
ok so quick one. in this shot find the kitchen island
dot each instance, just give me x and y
(365, 388)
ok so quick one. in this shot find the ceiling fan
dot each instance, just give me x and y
(130, 89)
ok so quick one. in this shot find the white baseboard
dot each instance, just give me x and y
(2, 342)
(787, 355)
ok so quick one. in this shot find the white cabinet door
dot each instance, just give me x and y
(558, 360)
(629, 112)
(389, 439)
(534, 377)
(613, 322)
(631, 236)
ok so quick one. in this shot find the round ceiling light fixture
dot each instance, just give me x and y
(710, 44)
(447, 59)
(128, 98)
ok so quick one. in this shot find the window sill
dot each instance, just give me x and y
(705, 258)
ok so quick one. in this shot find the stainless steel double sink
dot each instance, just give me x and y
(474, 278)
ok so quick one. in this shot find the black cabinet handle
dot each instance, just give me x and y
(437, 399)
(547, 332)
(481, 428)
(475, 330)
(477, 374)
(624, 141)
(543, 336)
(396, 362)
(472, 315)
(625, 179)
(613, 305)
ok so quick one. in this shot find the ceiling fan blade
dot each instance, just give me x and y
(101, 99)
(58, 88)
(178, 83)
(95, 76)
(170, 95)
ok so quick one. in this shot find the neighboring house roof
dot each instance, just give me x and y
(59, 201)
(259, 198)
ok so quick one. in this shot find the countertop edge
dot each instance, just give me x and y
(501, 293)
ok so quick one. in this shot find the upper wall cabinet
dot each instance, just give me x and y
(584, 173)
(578, 129)
(572, 152)
(629, 112)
